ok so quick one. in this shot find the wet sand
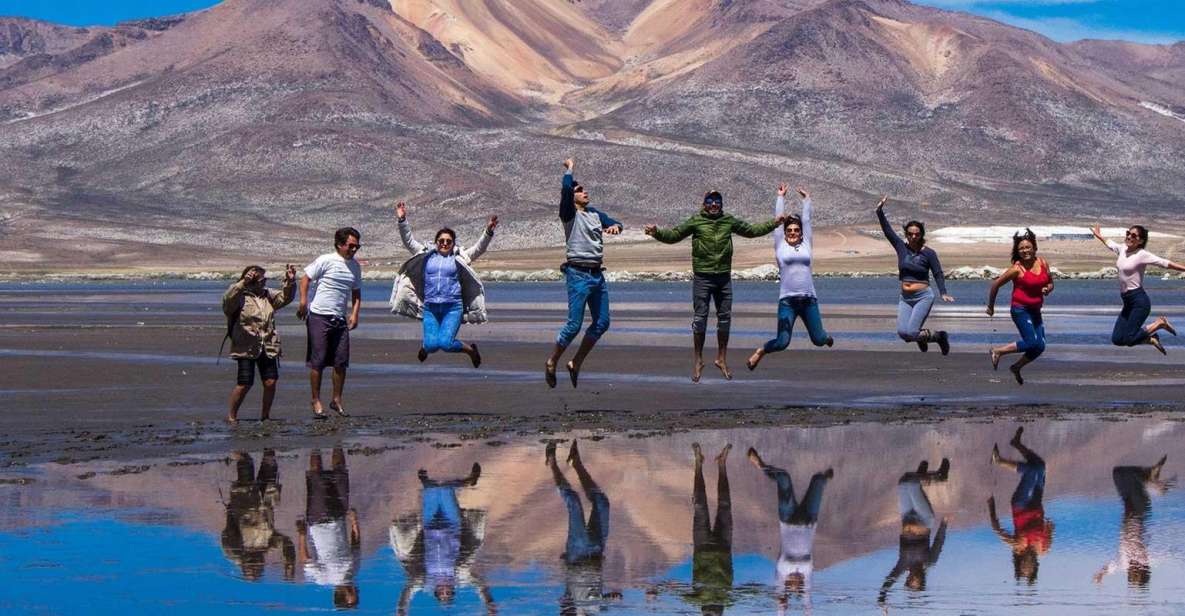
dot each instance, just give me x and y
(137, 383)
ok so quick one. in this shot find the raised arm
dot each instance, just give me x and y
(412, 245)
(780, 214)
(1097, 231)
(568, 193)
(936, 547)
(483, 243)
(610, 224)
(233, 298)
(1010, 274)
(995, 522)
(886, 228)
(287, 291)
(807, 236)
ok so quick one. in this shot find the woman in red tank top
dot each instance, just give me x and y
(1031, 282)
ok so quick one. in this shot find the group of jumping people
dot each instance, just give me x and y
(439, 286)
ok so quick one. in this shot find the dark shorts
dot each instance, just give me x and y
(269, 369)
(328, 342)
(327, 495)
(713, 288)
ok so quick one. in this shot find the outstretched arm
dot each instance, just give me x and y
(1010, 274)
(780, 214)
(413, 245)
(890, 579)
(671, 236)
(807, 236)
(995, 522)
(609, 224)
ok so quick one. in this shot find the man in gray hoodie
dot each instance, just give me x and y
(583, 235)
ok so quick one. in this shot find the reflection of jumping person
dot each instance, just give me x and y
(1133, 258)
(1133, 484)
(583, 274)
(916, 552)
(439, 286)
(711, 233)
(584, 550)
(796, 522)
(329, 540)
(711, 560)
(796, 298)
(250, 531)
(1032, 534)
(438, 547)
(1031, 282)
(915, 263)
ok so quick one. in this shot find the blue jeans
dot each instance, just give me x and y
(797, 307)
(912, 311)
(585, 288)
(790, 510)
(585, 540)
(440, 507)
(441, 324)
(1032, 331)
(1129, 327)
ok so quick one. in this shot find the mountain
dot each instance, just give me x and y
(252, 127)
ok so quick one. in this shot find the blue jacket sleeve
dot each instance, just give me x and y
(607, 221)
(890, 234)
(936, 269)
(568, 198)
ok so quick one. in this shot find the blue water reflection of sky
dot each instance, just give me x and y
(107, 564)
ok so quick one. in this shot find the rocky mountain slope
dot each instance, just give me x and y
(252, 127)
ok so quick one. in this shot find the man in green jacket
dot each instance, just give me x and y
(711, 263)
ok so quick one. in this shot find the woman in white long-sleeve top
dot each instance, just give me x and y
(1132, 260)
(438, 286)
(796, 299)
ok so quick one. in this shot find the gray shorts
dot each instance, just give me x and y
(716, 288)
(328, 342)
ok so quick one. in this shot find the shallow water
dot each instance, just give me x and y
(201, 534)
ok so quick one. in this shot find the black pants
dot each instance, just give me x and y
(716, 288)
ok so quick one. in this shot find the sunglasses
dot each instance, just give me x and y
(1133, 234)
(711, 202)
(353, 246)
(444, 240)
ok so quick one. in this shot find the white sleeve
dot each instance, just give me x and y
(1115, 247)
(1148, 258)
(315, 269)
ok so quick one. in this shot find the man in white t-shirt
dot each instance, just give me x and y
(328, 541)
(337, 299)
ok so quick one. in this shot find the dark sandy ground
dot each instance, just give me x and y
(127, 389)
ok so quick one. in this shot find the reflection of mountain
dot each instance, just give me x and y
(294, 116)
(649, 483)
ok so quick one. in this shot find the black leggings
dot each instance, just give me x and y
(269, 369)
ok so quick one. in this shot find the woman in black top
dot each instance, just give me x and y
(915, 263)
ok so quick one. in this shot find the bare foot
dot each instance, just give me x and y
(232, 420)
(697, 370)
(995, 359)
(722, 457)
(723, 369)
(995, 454)
(699, 454)
(755, 459)
(1166, 326)
(754, 359)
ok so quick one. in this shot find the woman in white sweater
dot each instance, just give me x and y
(1133, 258)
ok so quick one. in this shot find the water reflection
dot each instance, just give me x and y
(1133, 484)
(328, 539)
(916, 552)
(1032, 533)
(250, 531)
(796, 525)
(464, 538)
(438, 547)
(584, 549)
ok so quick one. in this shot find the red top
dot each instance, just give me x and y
(1026, 288)
(1030, 528)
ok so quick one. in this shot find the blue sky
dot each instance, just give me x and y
(1149, 21)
